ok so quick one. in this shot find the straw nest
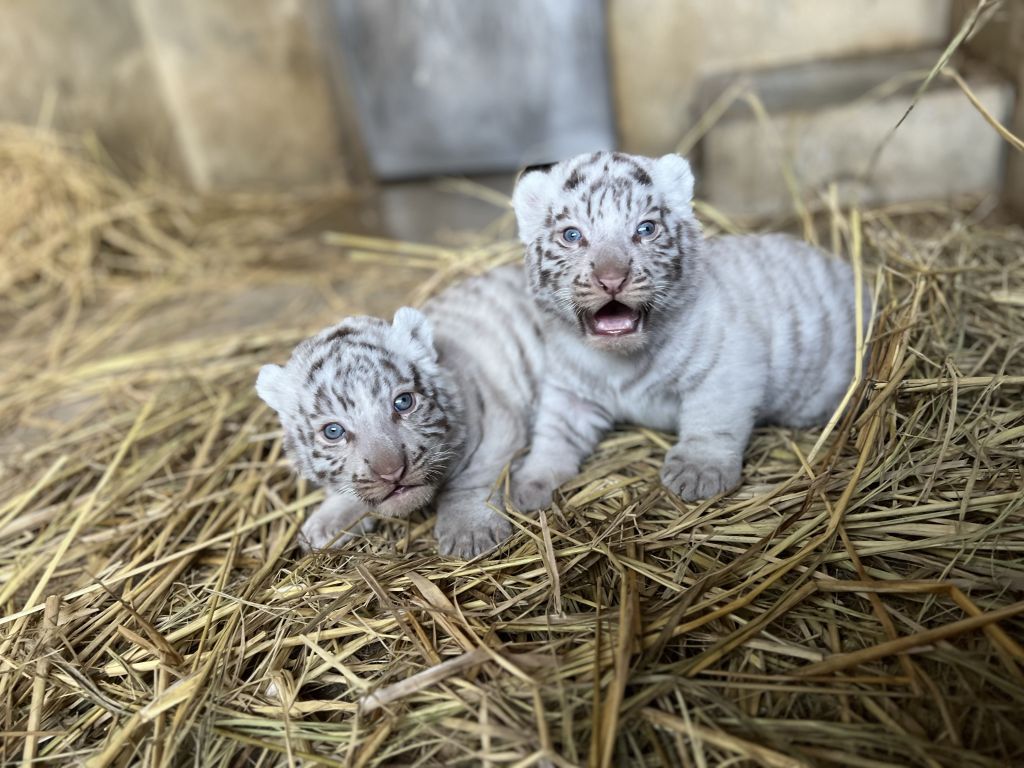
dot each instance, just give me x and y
(856, 602)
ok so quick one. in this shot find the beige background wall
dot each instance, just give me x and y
(83, 67)
(1001, 43)
(662, 49)
(226, 94)
(247, 90)
(241, 94)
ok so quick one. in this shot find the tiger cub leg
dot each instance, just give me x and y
(715, 423)
(566, 430)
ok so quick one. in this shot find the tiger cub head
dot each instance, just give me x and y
(366, 409)
(612, 244)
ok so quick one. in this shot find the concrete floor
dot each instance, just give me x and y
(442, 211)
(305, 282)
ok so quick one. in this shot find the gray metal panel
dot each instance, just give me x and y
(465, 86)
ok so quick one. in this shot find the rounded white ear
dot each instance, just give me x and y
(674, 178)
(411, 325)
(272, 387)
(530, 200)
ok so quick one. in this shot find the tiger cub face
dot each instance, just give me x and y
(366, 409)
(611, 241)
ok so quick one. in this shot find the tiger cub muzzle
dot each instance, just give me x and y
(391, 484)
(612, 306)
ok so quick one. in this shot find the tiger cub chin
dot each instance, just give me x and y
(652, 324)
(389, 417)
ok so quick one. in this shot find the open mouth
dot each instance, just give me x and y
(398, 491)
(615, 319)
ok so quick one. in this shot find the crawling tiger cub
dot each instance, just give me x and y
(386, 417)
(654, 325)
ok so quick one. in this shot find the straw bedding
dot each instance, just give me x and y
(857, 602)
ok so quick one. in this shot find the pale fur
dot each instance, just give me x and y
(738, 330)
(474, 357)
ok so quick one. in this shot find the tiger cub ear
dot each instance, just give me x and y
(273, 387)
(530, 198)
(411, 326)
(674, 179)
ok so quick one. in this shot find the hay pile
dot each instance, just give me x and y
(859, 607)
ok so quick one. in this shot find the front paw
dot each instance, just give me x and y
(532, 488)
(692, 477)
(316, 534)
(320, 533)
(466, 530)
(531, 495)
(332, 526)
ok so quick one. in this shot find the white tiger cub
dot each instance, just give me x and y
(653, 325)
(386, 416)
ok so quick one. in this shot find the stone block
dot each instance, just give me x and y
(661, 49)
(82, 67)
(1000, 42)
(248, 92)
(463, 86)
(826, 122)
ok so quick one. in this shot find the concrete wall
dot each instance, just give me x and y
(82, 67)
(272, 94)
(944, 149)
(226, 94)
(662, 49)
(1001, 44)
(464, 86)
(814, 65)
(247, 89)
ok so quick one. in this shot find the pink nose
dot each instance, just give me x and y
(611, 280)
(390, 472)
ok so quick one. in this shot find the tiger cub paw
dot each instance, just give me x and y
(467, 529)
(532, 493)
(334, 524)
(692, 477)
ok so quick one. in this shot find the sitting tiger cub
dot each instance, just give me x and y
(386, 417)
(653, 325)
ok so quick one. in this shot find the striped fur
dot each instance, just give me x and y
(727, 333)
(473, 358)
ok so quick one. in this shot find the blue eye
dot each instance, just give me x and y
(404, 402)
(646, 228)
(572, 235)
(333, 431)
